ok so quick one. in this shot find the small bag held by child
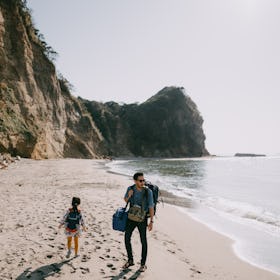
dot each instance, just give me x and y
(120, 219)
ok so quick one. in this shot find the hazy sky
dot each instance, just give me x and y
(225, 53)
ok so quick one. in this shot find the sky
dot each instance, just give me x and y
(225, 53)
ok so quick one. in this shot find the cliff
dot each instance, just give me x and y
(166, 125)
(39, 118)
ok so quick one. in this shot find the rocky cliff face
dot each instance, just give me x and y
(40, 119)
(167, 125)
(38, 116)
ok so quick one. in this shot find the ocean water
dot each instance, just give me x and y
(238, 197)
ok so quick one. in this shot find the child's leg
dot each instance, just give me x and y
(69, 241)
(76, 241)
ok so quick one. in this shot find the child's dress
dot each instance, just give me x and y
(73, 222)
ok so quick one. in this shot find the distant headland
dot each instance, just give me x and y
(249, 155)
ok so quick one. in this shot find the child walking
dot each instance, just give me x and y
(73, 222)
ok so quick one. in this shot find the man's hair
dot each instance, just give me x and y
(137, 174)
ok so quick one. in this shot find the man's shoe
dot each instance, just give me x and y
(142, 268)
(128, 264)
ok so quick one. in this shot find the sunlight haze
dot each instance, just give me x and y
(224, 53)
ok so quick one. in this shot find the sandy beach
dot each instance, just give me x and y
(36, 194)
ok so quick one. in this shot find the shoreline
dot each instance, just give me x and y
(35, 195)
(240, 248)
(182, 204)
(220, 249)
(234, 242)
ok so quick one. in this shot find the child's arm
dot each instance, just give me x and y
(63, 220)
(83, 223)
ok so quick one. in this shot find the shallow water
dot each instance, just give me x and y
(238, 197)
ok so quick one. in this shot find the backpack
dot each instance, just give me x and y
(73, 219)
(155, 192)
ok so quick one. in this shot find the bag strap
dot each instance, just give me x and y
(126, 205)
(145, 193)
(129, 201)
(143, 196)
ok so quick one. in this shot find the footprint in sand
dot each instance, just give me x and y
(84, 270)
(195, 271)
(111, 266)
(171, 251)
(85, 258)
(186, 261)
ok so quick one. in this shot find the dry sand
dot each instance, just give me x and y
(35, 195)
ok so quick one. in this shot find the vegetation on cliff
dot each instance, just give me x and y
(166, 125)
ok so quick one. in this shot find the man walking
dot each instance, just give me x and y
(137, 195)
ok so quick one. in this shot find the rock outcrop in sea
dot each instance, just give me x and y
(249, 155)
(39, 118)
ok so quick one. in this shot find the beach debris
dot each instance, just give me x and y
(6, 159)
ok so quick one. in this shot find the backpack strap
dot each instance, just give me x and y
(71, 210)
(144, 194)
(143, 197)
(131, 200)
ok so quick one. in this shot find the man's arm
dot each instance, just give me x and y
(128, 196)
(151, 212)
(151, 209)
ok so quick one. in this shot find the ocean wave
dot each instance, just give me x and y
(195, 188)
(259, 215)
